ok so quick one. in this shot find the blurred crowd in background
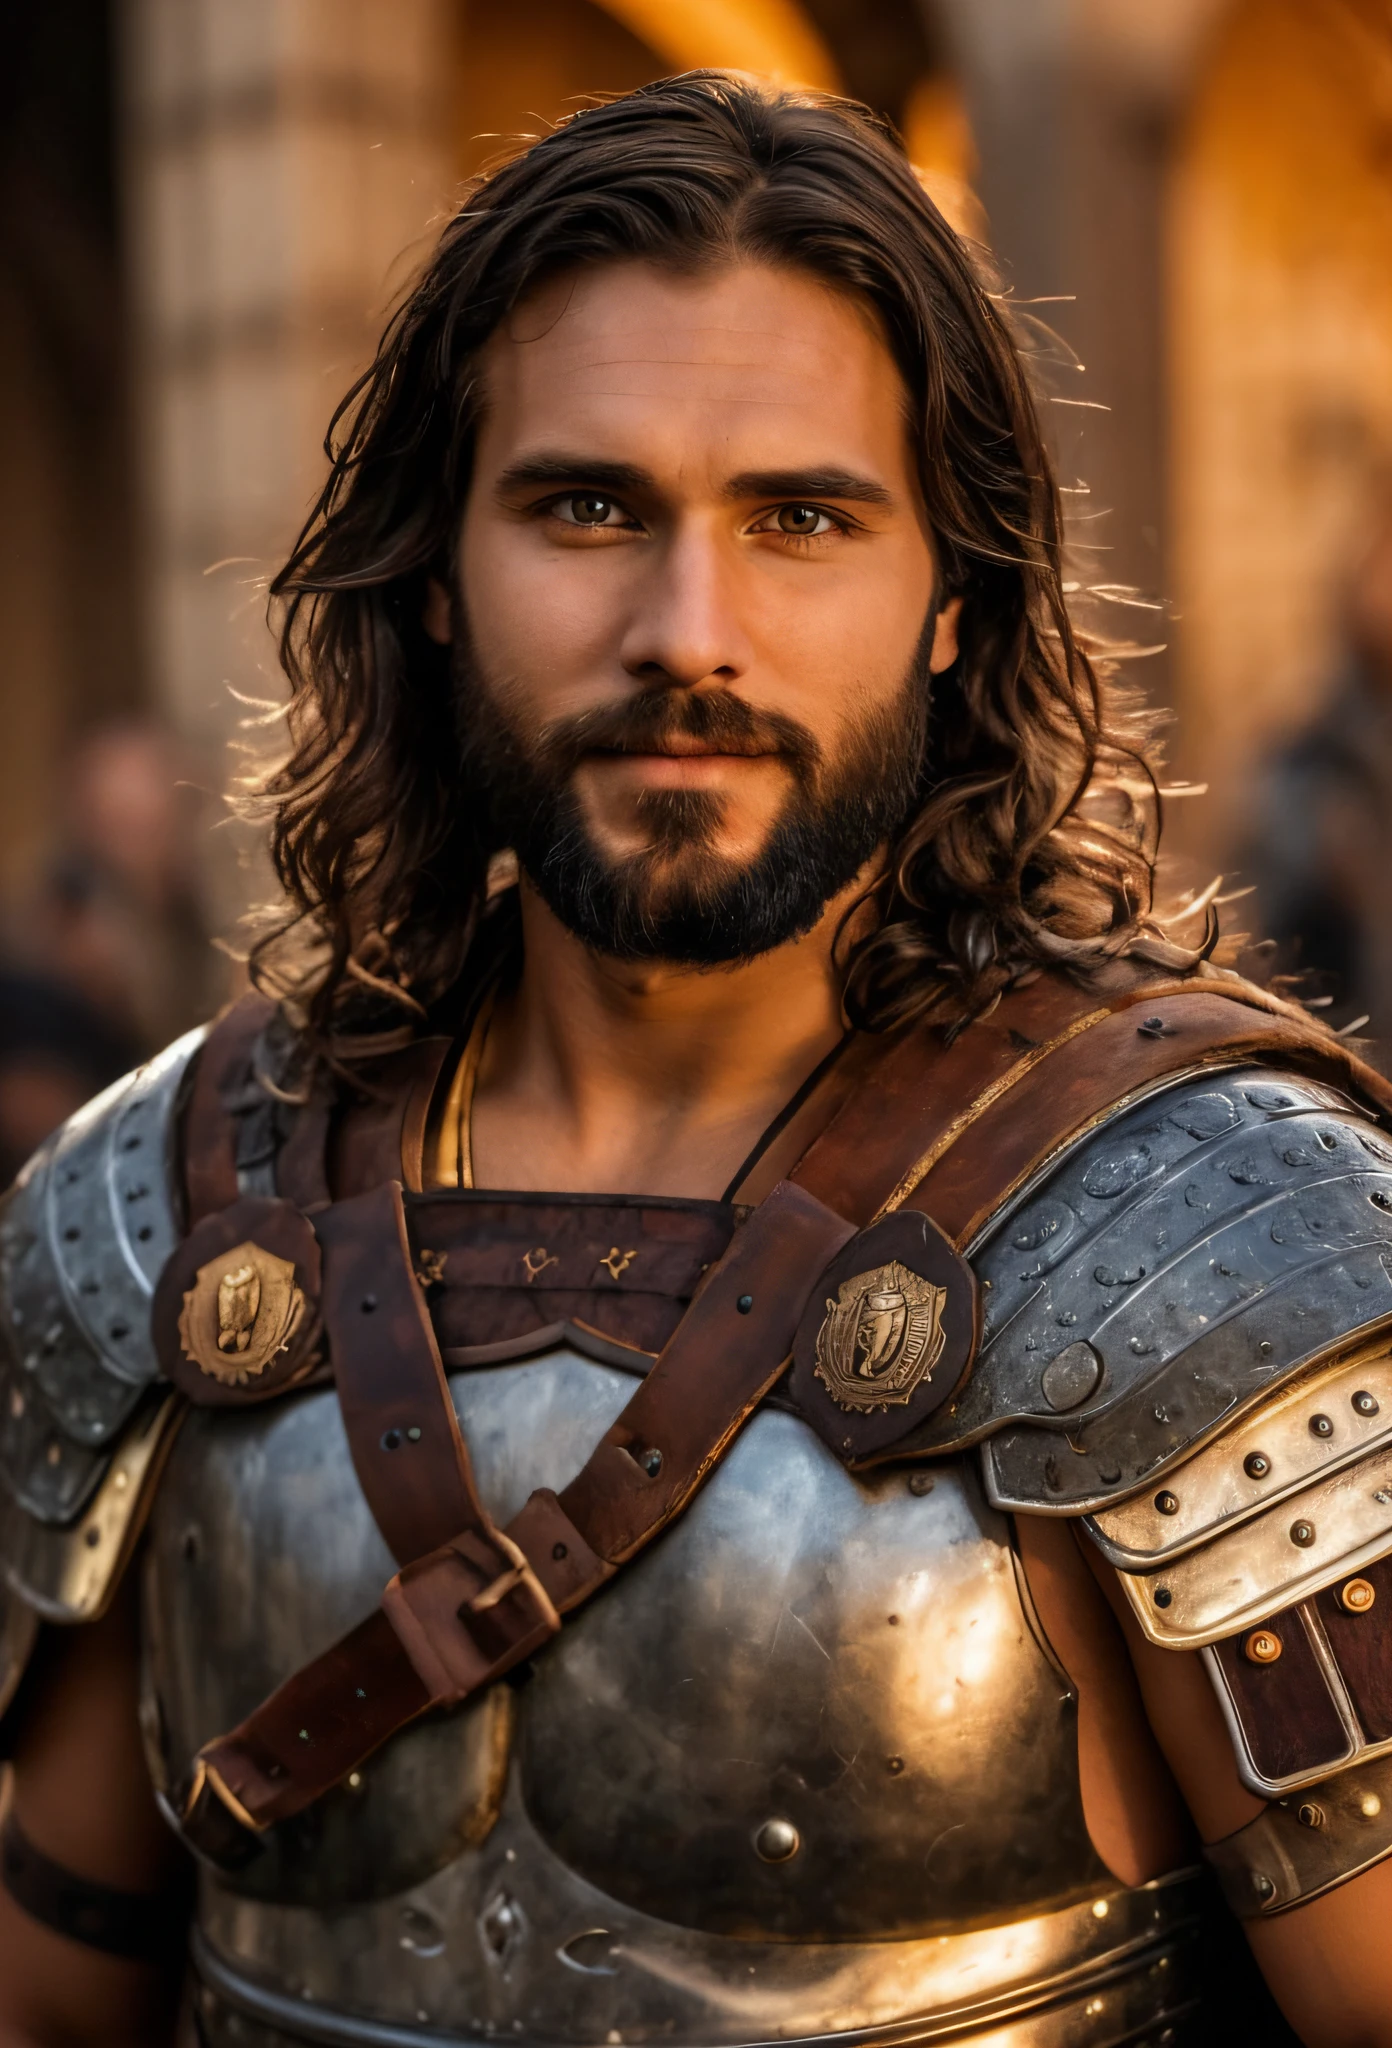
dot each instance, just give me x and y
(208, 206)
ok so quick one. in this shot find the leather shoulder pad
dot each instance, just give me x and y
(83, 1236)
(1191, 1257)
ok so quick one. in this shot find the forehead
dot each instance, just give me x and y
(748, 362)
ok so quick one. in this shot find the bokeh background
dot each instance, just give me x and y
(207, 207)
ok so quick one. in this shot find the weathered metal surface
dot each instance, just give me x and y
(806, 1768)
(1310, 1430)
(83, 1237)
(1207, 1245)
(1299, 1848)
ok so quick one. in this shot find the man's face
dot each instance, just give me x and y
(695, 579)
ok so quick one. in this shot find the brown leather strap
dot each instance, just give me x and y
(1052, 1098)
(382, 1136)
(210, 1132)
(407, 1449)
(464, 1615)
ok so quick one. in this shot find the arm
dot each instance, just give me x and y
(81, 1794)
(1329, 1962)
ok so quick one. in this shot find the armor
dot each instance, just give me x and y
(807, 1769)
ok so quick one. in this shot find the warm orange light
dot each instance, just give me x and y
(771, 37)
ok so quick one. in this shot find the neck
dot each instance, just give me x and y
(611, 1077)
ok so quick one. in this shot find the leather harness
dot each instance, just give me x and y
(472, 1601)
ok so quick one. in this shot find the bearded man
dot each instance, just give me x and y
(748, 1408)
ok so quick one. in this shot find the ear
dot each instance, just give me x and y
(435, 613)
(945, 637)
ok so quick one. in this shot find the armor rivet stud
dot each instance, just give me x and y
(1263, 1646)
(1364, 1404)
(1302, 1533)
(894, 1765)
(894, 1621)
(368, 1303)
(93, 1537)
(1370, 1806)
(651, 1462)
(1262, 1885)
(1265, 1347)
(1310, 1815)
(559, 1551)
(1167, 1503)
(1100, 1909)
(391, 1440)
(1320, 1425)
(1357, 1596)
(1256, 1465)
(413, 1433)
(745, 1303)
(304, 1734)
(921, 1483)
(1163, 1596)
(776, 1841)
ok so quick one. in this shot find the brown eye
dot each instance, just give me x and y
(798, 519)
(590, 511)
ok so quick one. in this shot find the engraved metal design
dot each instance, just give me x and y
(241, 1312)
(616, 1262)
(537, 1260)
(880, 1339)
(430, 1268)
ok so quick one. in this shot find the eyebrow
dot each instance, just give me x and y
(561, 466)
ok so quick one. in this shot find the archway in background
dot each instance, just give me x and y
(1280, 297)
(524, 63)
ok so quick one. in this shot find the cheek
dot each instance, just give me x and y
(539, 624)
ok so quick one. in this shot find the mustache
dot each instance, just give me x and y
(651, 721)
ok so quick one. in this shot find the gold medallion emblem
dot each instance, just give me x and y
(880, 1338)
(240, 1314)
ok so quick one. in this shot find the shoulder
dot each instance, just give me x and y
(84, 1234)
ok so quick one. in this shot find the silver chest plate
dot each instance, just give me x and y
(789, 1775)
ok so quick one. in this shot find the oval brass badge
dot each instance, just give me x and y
(880, 1338)
(242, 1311)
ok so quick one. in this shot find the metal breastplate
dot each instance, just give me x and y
(807, 1769)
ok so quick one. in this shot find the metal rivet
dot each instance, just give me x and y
(1264, 1348)
(1167, 1503)
(1302, 1533)
(1163, 1596)
(1100, 1909)
(558, 1551)
(894, 1765)
(1262, 1885)
(744, 1304)
(355, 1781)
(1151, 1027)
(1263, 1646)
(1357, 1596)
(414, 1433)
(1320, 1425)
(368, 1303)
(776, 1841)
(894, 1621)
(651, 1462)
(1370, 1806)
(1255, 1465)
(92, 1537)
(1310, 1815)
(1364, 1404)
(391, 1440)
(1072, 1376)
(921, 1483)
(304, 1734)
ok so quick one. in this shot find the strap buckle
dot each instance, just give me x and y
(468, 1612)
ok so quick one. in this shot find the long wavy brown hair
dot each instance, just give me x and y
(1033, 838)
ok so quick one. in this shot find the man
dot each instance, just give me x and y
(866, 1503)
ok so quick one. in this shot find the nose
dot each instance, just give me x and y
(686, 626)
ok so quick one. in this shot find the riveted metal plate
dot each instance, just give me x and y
(83, 1236)
(1208, 1244)
(70, 1574)
(1286, 1553)
(1305, 1431)
(1279, 1860)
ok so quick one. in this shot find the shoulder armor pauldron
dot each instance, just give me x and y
(1192, 1255)
(83, 1236)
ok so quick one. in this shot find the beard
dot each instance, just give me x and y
(679, 899)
